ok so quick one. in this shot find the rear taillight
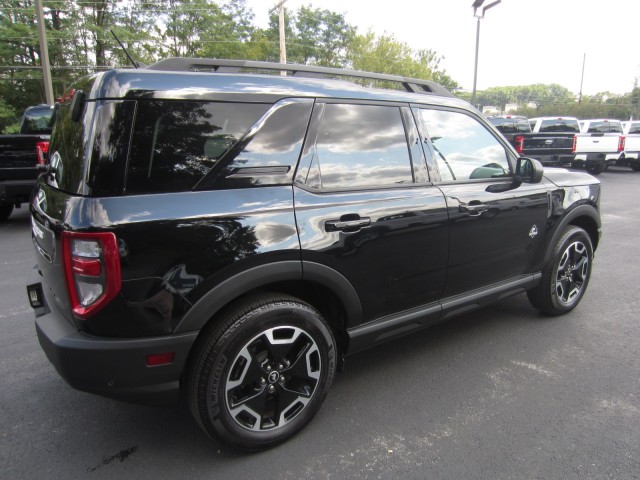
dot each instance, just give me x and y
(575, 141)
(92, 270)
(42, 150)
(519, 143)
(621, 139)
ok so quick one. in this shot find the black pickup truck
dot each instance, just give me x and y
(20, 156)
(551, 140)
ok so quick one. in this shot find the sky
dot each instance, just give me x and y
(522, 42)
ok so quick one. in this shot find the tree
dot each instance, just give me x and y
(385, 54)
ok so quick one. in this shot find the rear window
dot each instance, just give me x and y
(175, 143)
(605, 127)
(511, 125)
(560, 125)
(37, 121)
(634, 128)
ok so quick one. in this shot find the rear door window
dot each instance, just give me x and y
(356, 146)
(175, 143)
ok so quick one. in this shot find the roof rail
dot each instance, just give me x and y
(414, 85)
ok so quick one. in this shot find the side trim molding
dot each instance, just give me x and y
(393, 326)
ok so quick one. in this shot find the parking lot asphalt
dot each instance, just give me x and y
(500, 393)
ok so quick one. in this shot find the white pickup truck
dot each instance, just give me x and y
(599, 144)
(631, 155)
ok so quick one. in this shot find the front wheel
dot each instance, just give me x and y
(566, 275)
(261, 374)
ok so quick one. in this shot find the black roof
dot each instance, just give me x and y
(176, 79)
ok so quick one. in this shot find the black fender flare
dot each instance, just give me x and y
(340, 286)
(233, 287)
(228, 290)
(580, 211)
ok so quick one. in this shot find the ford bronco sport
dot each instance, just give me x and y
(207, 228)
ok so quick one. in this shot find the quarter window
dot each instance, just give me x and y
(464, 148)
(356, 146)
(176, 143)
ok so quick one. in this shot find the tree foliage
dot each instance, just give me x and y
(80, 42)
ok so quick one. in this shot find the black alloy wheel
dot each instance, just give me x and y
(572, 272)
(261, 375)
(566, 275)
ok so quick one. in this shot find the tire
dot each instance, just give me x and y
(5, 212)
(260, 375)
(595, 168)
(635, 167)
(566, 275)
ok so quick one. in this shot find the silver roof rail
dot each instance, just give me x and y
(414, 85)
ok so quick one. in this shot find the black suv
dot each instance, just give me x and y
(230, 234)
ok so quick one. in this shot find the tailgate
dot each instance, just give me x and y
(47, 215)
(18, 159)
(548, 145)
(597, 143)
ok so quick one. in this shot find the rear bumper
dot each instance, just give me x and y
(553, 160)
(16, 191)
(114, 368)
(597, 157)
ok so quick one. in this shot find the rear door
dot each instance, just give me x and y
(496, 229)
(365, 208)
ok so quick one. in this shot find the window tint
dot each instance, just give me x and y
(36, 121)
(465, 149)
(511, 124)
(604, 127)
(112, 130)
(357, 146)
(176, 143)
(559, 125)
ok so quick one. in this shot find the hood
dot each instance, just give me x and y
(562, 177)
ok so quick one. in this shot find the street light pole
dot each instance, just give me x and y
(476, 5)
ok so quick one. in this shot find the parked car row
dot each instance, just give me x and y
(594, 144)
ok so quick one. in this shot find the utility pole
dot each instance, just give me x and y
(584, 60)
(44, 54)
(283, 43)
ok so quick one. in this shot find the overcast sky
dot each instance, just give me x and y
(521, 41)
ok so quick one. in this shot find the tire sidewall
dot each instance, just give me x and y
(571, 236)
(229, 346)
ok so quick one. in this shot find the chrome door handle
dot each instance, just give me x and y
(347, 225)
(474, 210)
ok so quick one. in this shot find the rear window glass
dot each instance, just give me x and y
(604, 127)
(634, 128)
(176, 143)
(511, 125)
(560, 125)
(37, 121)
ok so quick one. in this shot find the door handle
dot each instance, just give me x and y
(473, 210)
(347, 223)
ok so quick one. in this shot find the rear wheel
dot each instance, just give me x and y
(566, 275)
(5, 212)
(595, 168)
(262, 373)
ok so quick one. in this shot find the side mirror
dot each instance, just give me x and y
(528, 170)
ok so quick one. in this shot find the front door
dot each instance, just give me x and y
(496, 229)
